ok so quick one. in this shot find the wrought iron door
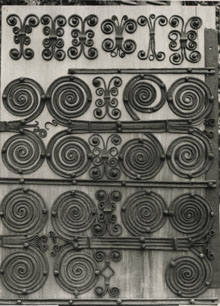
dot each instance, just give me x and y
(109, 156)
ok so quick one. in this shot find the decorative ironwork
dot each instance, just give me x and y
(190, 156)
(24, 272)
(141, 158)
(106, 220)
(141, 94)
(24, 97)
(143, 212)
(53, 44)
(190, 98)
(105, 157)
(108, 104)
(68, 98)
(187, 276)
(82, 38)
(191, 214)
(73, 212)
(119, 46)
(151, 22)
(23, 153)
(75, 272)
(68, 155)
(23, 211)
(21, 29)
(107, 272)
(183, 41)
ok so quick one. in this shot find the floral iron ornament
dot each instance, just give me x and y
(119, 46)
(183, 41)
(82, 38)
(21, 35)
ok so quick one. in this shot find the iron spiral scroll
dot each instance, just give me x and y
(191, 214)
(68, 155)
(145, 94)
(23, 153)
(141, 158)
(75, 272)
(189, 276)
(68, 98)
(23, 211)
(24, 272)
(24, 97)
(190, 156)
(73, 212)
(143, 213)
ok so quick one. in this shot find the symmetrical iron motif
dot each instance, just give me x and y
(53, 44)
(108, 104)
(68, 98)
(151, 53)
(119, 46)
(107, 272)
(23, 211)
(104, 157)
(73, 212)
(82, 38)
(75, 272)
(21, 37)
(106, 220)
(23, 153)
(144, 212)
(24, 272)
(141, 158)
(24, 97)
(183, 41)
(190, 98)
(189, 276)
(141, 94)
(190, 156)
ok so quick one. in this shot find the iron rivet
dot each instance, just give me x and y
(26, 245)
(172, 263)
(56, 272)
(53, 213)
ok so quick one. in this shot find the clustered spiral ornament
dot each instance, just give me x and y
(82, 38)
(141, 158)
(69, 97)
(191, 215)
(108, 104)
(23, 153)
(23, 211)
(189, 277)
(143, 213)
(75, 272)
(73, 212)
(190, 98)
(105, 157)
(53, 44)
(68, 155)
(24, 97)
(183, 40)
(119, 47)
(190, 156)
(151, 22)
(24, 272)
(145, 94)
(106, 220)
(21, 37)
